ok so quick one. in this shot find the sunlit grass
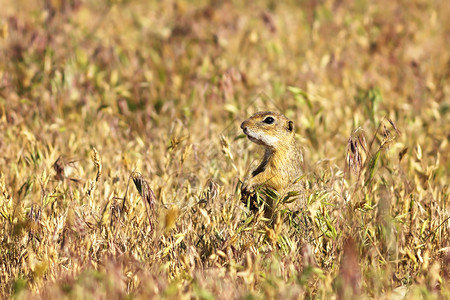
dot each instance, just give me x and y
(122, 155)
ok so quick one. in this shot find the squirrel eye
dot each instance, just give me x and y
(269, 120)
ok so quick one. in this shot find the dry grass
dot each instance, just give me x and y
(122, 155)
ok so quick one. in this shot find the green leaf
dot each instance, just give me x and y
(372, 165)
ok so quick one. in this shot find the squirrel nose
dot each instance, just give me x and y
(243, 125)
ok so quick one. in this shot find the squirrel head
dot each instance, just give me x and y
(269, 129)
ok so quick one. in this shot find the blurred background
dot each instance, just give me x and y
(161, 87)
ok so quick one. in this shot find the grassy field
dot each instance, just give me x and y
(122, 157)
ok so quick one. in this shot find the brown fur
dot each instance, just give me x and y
(281, 164)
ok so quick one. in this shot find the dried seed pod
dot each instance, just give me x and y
(356, 148)
(146, 193)
(144, 189)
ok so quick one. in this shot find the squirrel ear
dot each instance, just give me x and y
(290, 126)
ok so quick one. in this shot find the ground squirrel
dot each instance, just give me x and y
(281, 164)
